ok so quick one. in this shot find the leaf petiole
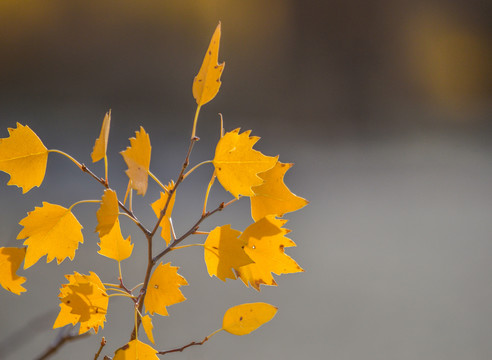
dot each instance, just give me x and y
(184, 246)
(193, 133)
(68, 156)
(196, 167)
(83, 202)
(157, 181)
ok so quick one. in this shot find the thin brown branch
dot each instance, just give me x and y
(193, 343)
(68, 337)
(103, 342)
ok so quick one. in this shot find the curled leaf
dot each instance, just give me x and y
(158, 206)
(137, 158)
(101, 144)
(147, 325)
(114, 246)
(10, 260)
(245, 318)
(107, 213)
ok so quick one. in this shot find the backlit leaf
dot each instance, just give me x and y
(158, 205)
(224, 251)
(50, 230)
(237, 164)
(147, 325)
(207, 83)
(136, 350)
(107, 213)
(163, 289)
(24, 157)
(101, 144)
(83, 300)
(273, 196)
(10, 260)
(114, 246)
(137, 158)
(245, 318)
(266, 242)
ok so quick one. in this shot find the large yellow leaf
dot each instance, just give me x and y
(266, 242)
(83, 300)
(50, 230)
(224, 251)
(158, 205)
(10, 260)
(114, 246)
(163, 289)
(107, 213)
(207, 83)
(147, 325)
(237, 164)
(101, 144)
(273, 196)
(137, 158)
(136, 350)
(245, 318)
(24, 157)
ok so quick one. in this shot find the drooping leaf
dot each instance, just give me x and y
(136, 350)
(114, 246)
(224, 251)
(101, 144)
(237, 165)
(147, 325)
(163, 289)
(207, 83)
(10, 260)
(107, 213)
(266, 242)
(158, 206)
(83, 300)
(137, 158)
(50, 230)
(245, 318)
(24, 157)
(273, 197)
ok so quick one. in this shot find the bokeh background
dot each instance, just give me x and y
(384, 107)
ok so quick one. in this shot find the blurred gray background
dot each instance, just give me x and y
(384, 107)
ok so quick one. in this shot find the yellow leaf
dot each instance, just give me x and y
(83, 300)
(245, 318)
(147, 325)
(107, 213)
(224, 251)
(163, 289)
(137, 158)
(273, 197)
(114, 246)
(101, 144)
(207, 83)
(24, 157)
(158, 205)
(266, 242)
(50, 230)
(237, 164)
(136, 350)
(10, 260)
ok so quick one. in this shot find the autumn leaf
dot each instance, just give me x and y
(83, 300)
(158, 206)
(24, 157)
(107, 213)
(114, 246)
(101, 144)
(163, 289)
(266, 242)
(237, 164)
(147, 325)
(207, 83)
(273, 196)
(136, 350)
(137, 158)
(224, 251)
(50, 230)
(245, 318)
(10, 260)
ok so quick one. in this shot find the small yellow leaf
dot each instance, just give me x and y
(266, 242)
(147, 325)
(83, 300)
(101, 144)
(158, 205)
(207, 83)
(50, 230)
(114, 246)
(224, 251)
(24, 157)
(137, 158)
(245, 318)
(237, 165)
(163, 289)
(107, 213)
(10, 260)
(136, 350)
(273, 196)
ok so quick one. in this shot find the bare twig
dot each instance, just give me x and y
(193, 343)
(60, 341)
(103, 342)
